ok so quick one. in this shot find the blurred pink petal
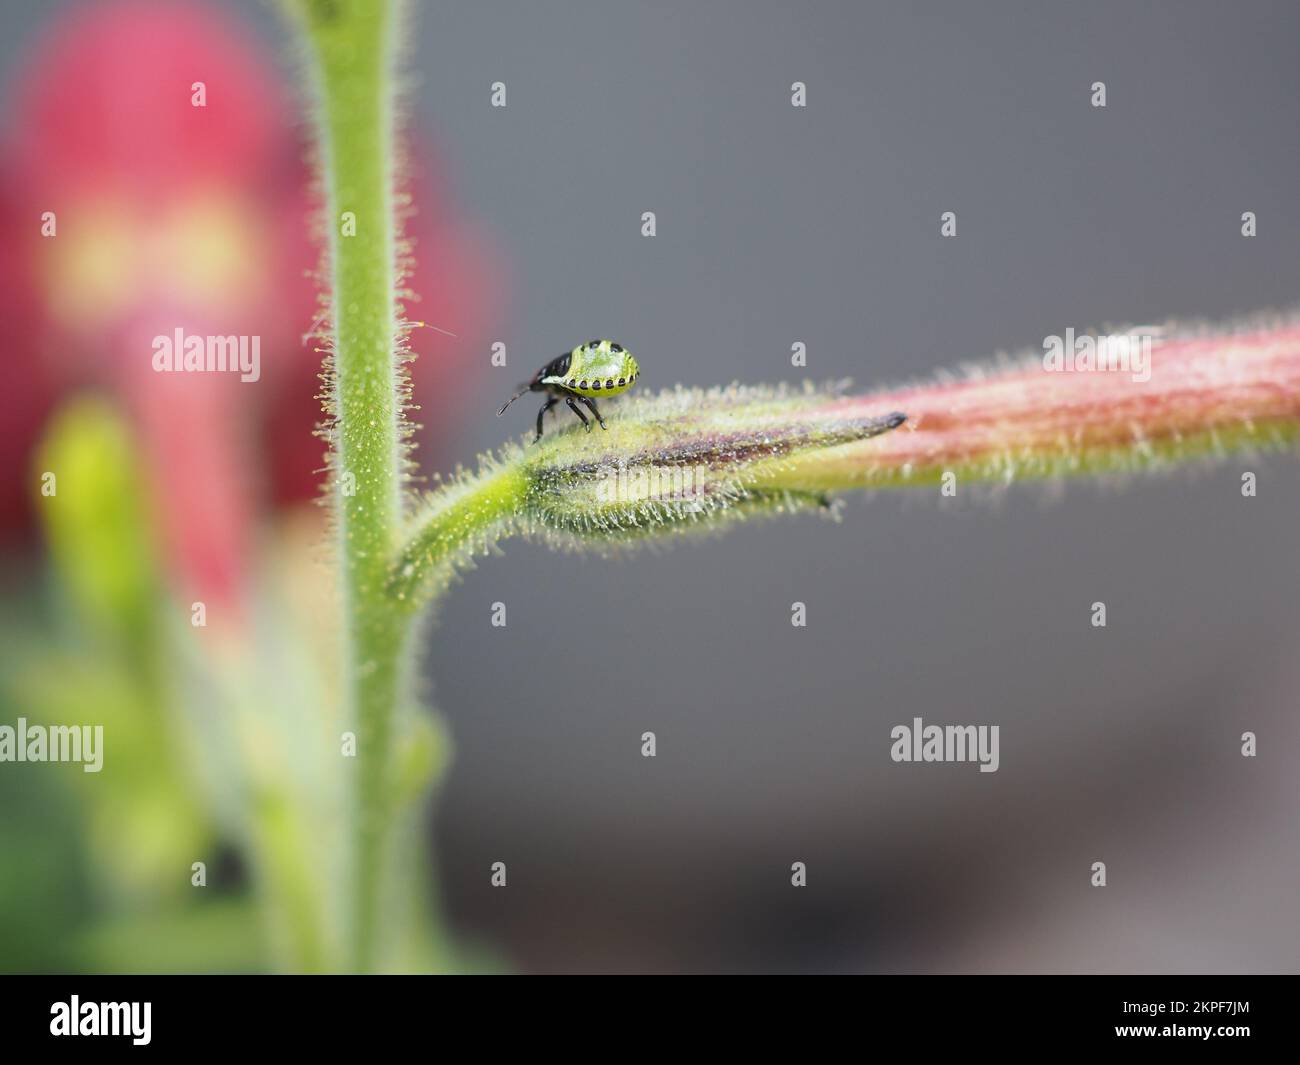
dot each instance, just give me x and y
(175, 216)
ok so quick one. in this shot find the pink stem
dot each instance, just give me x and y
(1207, 392)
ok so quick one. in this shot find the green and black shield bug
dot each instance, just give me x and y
(596, 368)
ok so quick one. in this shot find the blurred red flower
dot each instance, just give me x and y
(130, 211)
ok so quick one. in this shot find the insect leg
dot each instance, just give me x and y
(573, 406)
(591, 405)
(550, 402)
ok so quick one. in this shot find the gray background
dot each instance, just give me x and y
(821, 225)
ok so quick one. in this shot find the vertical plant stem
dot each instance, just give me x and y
(349, 42)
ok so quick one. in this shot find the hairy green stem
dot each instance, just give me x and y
(473, 515)
(349, 42)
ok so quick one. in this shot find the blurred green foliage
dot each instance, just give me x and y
(85, 852)
(221, 745)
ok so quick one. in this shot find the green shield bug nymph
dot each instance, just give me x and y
(596, 368)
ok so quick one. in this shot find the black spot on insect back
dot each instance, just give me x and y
(616, 348)
(558, 366)
(593, 343)
(595, 385)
